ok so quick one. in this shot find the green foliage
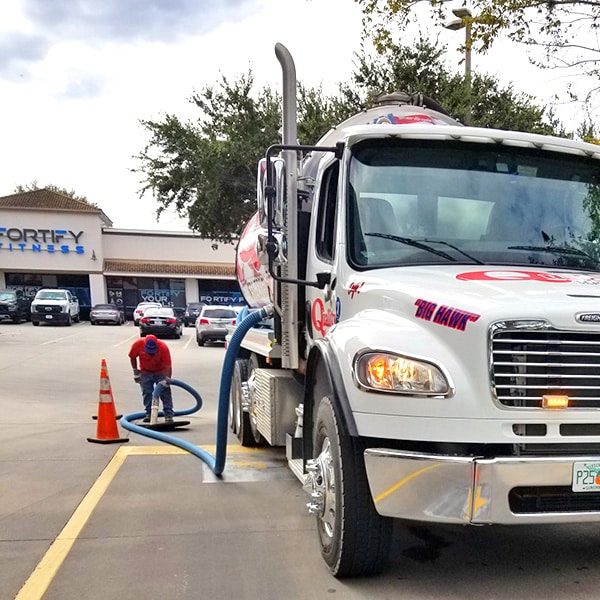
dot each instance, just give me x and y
(206, 170)
(421, 68)
(33, 186)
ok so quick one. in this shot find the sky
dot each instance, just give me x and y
(77, 76)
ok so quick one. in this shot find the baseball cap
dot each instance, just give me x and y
(151, 346)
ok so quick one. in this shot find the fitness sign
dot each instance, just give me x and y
(52, 241)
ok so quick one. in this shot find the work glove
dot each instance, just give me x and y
(137, 377)
(165, 382)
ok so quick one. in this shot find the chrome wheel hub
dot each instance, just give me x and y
(320, 484)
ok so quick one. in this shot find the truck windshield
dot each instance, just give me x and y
(414, 202)
(51, 296)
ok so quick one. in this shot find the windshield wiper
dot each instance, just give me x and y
(565, 250)
(411, 242)
(553, 250)
(475, 260)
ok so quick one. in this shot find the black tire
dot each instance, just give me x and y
(142, 334)
(76, 318)
(199, 340)
(16, 319)
(242, 418)
(35, 323)
(354, 538)
(68, 321)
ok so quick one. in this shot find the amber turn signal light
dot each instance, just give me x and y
(555, 401)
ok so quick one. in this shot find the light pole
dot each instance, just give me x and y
(464, 21)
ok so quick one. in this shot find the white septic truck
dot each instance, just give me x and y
(434, 349)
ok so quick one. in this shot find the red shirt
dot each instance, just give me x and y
(151, 363)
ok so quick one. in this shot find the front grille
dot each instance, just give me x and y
(552, 499)
(528, 364)
(48, 308)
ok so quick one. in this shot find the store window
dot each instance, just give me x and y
(225, 292)
(30, 283)
(130, 291)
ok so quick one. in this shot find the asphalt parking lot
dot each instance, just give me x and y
(145, 519)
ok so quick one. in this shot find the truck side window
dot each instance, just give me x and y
(326, 217)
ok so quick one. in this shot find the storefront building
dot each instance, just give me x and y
(51, 240)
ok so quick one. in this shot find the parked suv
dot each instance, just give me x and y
(14, 306)
(211, 325)
(192, 312)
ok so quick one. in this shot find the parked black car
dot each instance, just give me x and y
(160, 322)
(14, 306)
(192, 311)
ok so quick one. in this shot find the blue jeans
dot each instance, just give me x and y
(147, 381)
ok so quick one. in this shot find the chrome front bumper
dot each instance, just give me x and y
(454, 489)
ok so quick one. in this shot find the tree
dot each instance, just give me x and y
(206, 170)
(561, 30)
(421, 68)
(33, 186)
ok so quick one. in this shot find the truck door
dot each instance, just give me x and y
(321, 312)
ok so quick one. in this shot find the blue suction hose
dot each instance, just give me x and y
(217, 462)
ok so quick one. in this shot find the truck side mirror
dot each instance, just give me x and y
(279, 196)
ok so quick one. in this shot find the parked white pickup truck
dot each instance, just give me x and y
(54, 306)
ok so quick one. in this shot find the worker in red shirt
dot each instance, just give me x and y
(154, 366)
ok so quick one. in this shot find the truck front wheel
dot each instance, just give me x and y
(354, 538)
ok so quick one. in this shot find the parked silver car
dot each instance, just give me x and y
(211, 324)
(107, 313)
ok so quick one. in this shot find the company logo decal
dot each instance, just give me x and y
(419, 118)
(322, 318)
(448, 316)
(355, 288)
(588, 317)
(52, 241)
(528, 276)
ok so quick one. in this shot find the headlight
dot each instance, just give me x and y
(393, 373)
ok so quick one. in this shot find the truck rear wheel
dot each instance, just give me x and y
(354, 538)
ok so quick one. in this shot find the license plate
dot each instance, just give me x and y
(48, 316)
(586, 477)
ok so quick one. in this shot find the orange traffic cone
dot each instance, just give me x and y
(106, 432)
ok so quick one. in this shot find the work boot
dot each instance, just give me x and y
(168, 419)
(146, 419)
